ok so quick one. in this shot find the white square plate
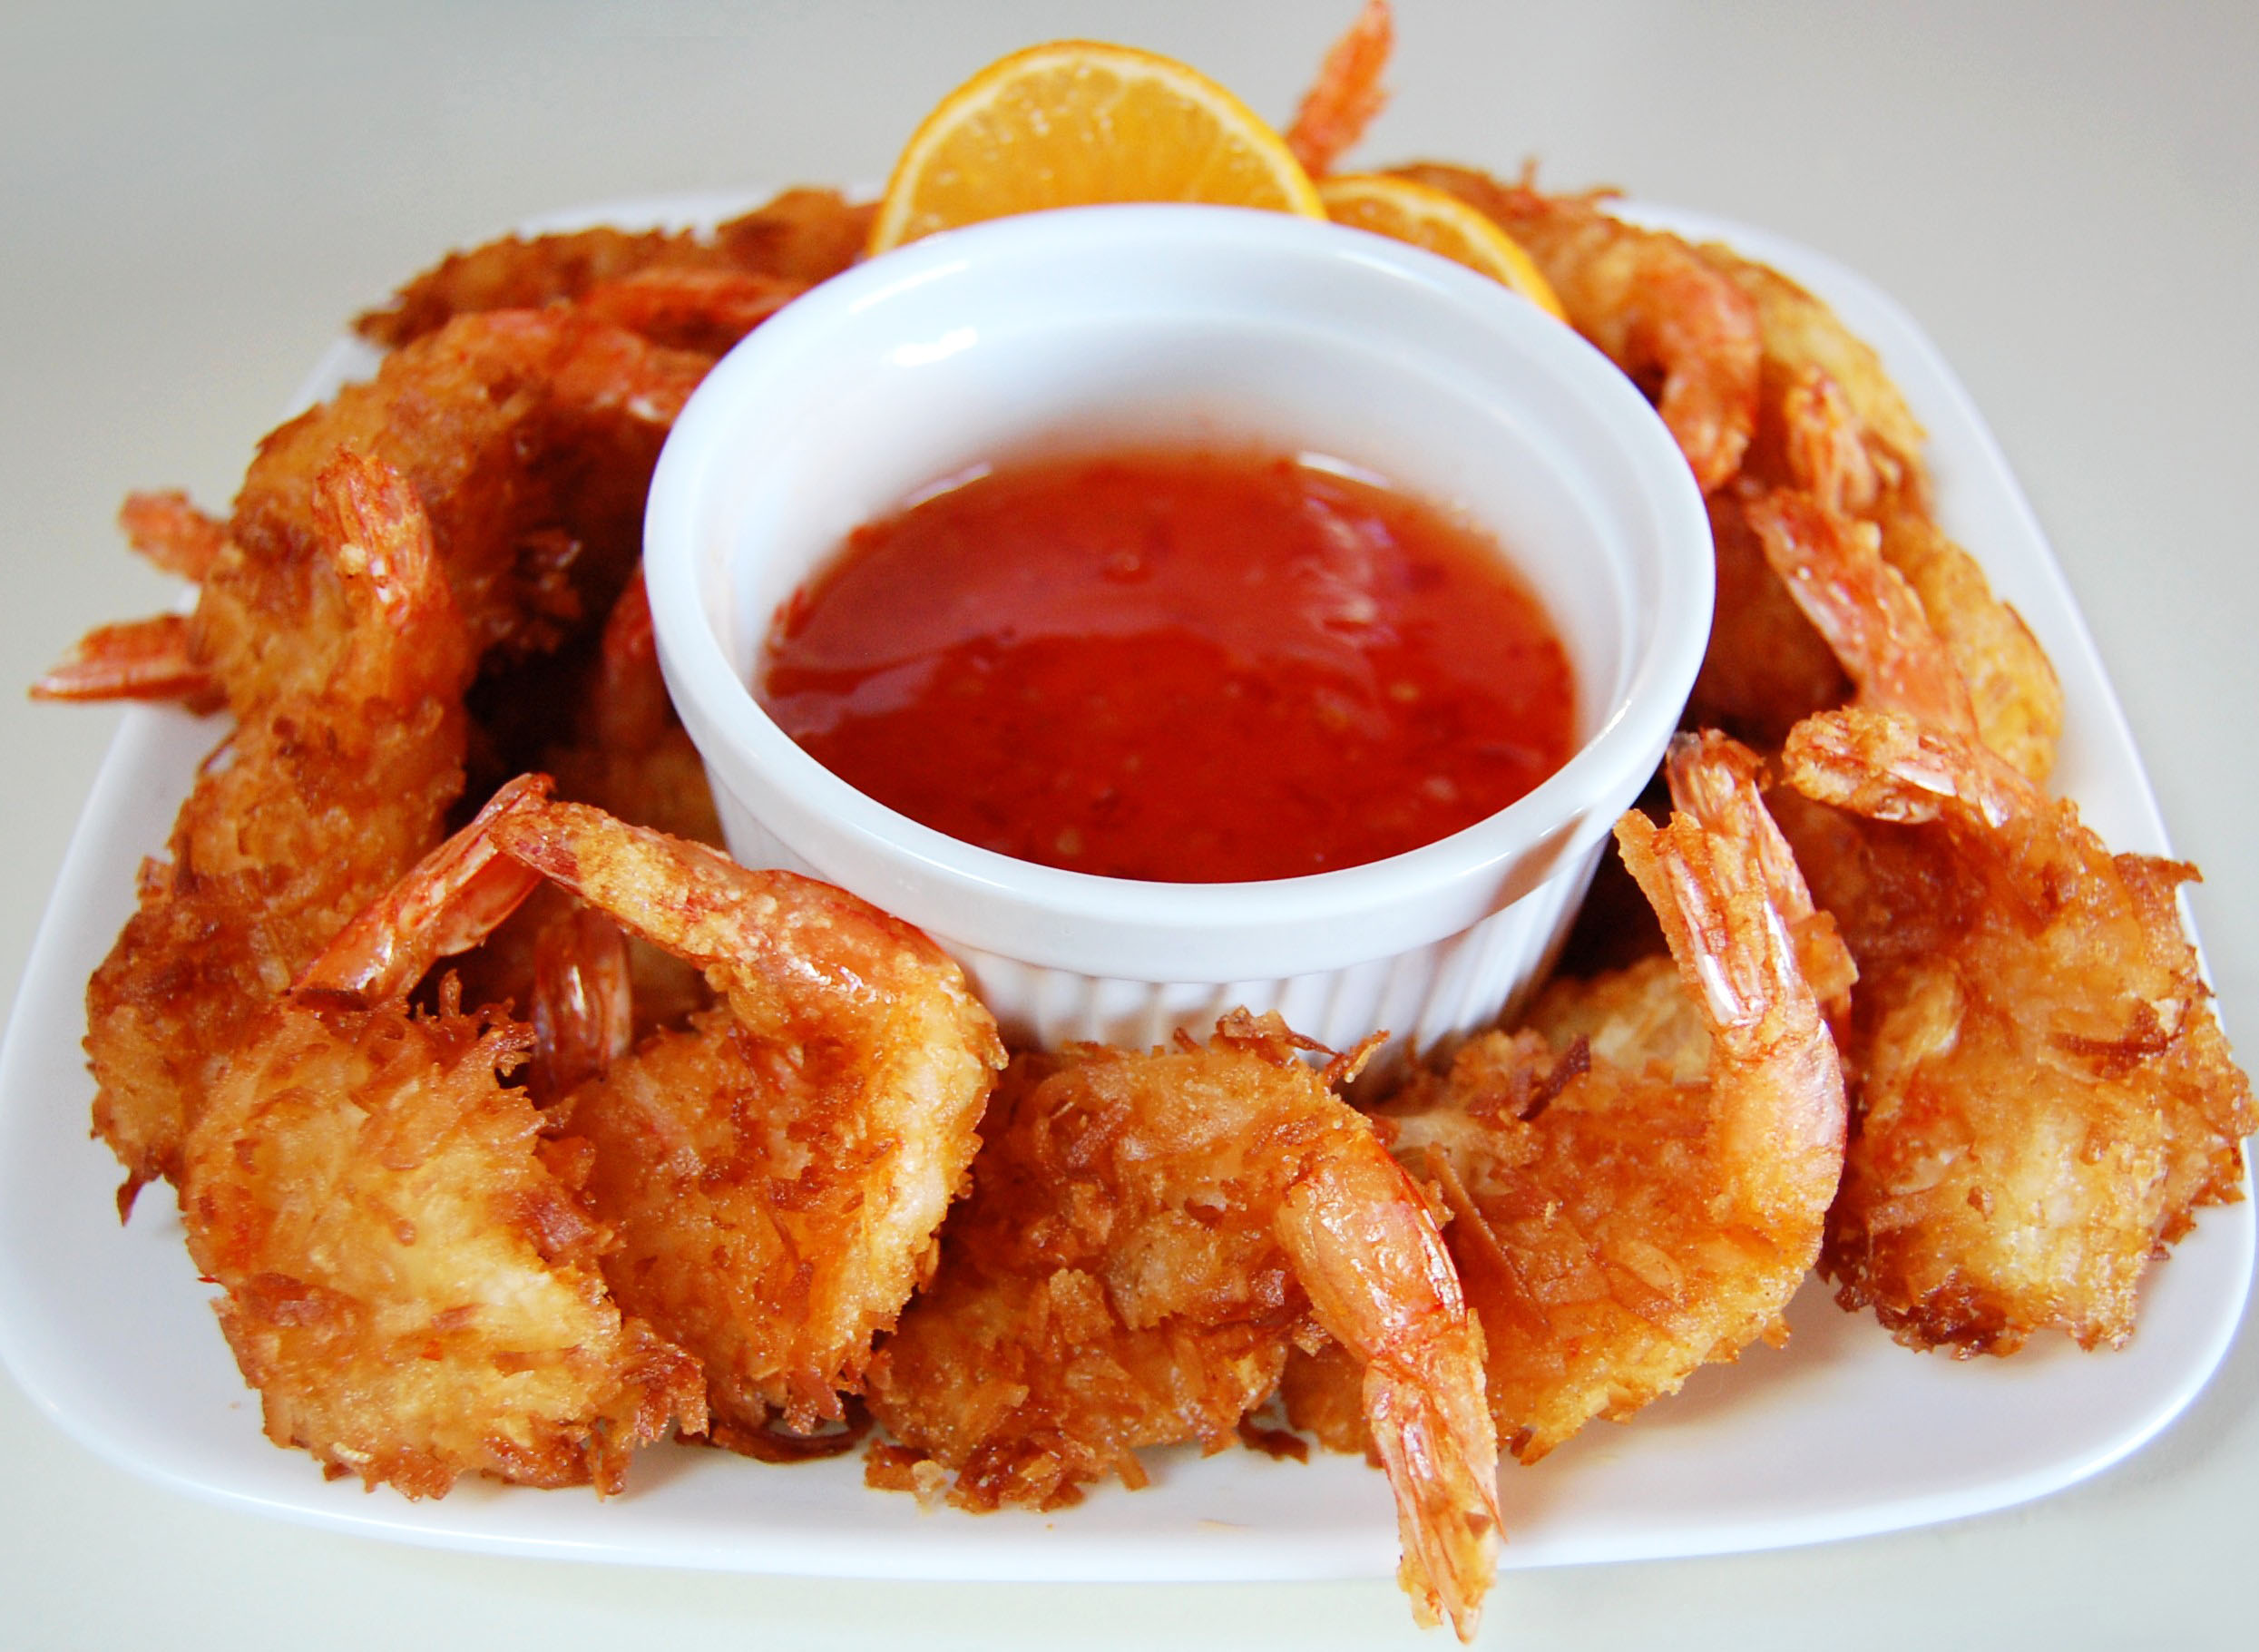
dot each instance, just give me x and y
(1843, 1434)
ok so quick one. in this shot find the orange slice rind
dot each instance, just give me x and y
(1078, 123)
(1425, 217)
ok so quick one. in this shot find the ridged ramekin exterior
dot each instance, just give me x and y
(1426, 999)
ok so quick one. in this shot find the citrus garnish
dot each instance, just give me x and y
(1407, 211)
(1078, 123)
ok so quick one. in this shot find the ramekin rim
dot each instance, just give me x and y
(1631, 735)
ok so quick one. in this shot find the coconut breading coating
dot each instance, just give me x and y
(1147, 1236)
(336, 778)
(2044, 1097)
(777, 1170)
(1637, 1190)
(801, 237)
(411, 1270)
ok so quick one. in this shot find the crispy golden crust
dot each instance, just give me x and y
(1587, 1236)
(2044, 1096)
(2017, 699)
(1643, 1193)
(748, 1186)
(690, 282)
(778, 1171)
(522, 272)
(1112, 1281)
(1147, 1236)
(410, 1285)
(803, 235)
(1639, 1019)
(336, 778)
(528, 436)
(224, 926)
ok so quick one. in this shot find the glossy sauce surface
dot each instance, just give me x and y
(1192, 667)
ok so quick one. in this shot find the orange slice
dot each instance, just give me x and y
(1407, 211)
(1078, 123)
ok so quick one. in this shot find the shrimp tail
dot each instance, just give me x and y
(1347, 95)
(1721, 784)
(1382, 1284)
(1887, 766)
(172, 533)
(448, 901)
(337, 778)
(584, 1008)
(148, 660)
(1781, 1123)
(155, 658)
(1834, 569)
(628, 708)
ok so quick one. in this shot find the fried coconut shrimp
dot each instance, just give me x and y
(1146, 1237)
(527, 438)
(1854, 476)
(336, 779)
(776, 1172)
(1638, 1179)
(800, 238)
(1681, 330)
(529, 435)
(1832, 428)
(2044, 1096)
(410, 1265)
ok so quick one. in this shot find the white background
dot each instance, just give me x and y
(2065, 197)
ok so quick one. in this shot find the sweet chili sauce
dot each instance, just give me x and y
(1189, 666)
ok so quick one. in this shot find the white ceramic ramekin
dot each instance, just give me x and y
(1141, 324)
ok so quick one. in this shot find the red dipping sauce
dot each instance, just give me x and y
(1187, 666)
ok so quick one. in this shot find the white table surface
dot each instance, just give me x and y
(2065, 196)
